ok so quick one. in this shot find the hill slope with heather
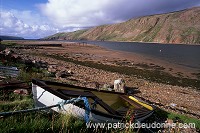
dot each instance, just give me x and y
(175, 27)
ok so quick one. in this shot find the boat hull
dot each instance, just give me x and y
(47, 93)
(44, 98)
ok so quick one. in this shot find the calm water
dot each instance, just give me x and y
(186, 55)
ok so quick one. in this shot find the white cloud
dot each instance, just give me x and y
(70, 15)
(30, 17)
(87, 13)
(78, 13)
(11, 25)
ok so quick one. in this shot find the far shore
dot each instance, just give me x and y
(61, 40)
(120, 56)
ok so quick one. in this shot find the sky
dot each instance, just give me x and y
(33, 19)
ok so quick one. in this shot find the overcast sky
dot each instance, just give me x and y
(40, 18)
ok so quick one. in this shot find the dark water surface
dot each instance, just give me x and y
(185, 55)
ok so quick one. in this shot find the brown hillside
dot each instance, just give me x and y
(176, 27)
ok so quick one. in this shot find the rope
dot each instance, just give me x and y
(60, 105)
(26, 111)
(75, 100)
(87, 109)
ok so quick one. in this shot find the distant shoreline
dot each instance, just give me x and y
(104, 41)
(110, 54)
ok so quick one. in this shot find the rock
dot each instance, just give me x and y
(172, 104)
(107, 87)
(21, 91)
(8, 52)
(2, 77)
(62, 74)
(34, 61)
(70, 72)
(50, 67)
(52, 70)
(96, 85)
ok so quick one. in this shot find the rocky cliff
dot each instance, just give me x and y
(175, 27)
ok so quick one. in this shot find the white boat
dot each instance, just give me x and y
(105, 106)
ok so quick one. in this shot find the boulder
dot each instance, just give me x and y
(62, 74)
(21, 91)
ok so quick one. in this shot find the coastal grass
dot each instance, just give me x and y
(9, 43)
(27, 72)
(16, 105)
(197, 75)
(40, 121)
(151, 75)
(180, 118)
(184, 119)
(24, 76)
(34, 121)
(43, 121)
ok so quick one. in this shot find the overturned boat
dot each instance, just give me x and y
(105, 106)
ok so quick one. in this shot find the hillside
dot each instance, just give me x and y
(175, 27)
(10, 38)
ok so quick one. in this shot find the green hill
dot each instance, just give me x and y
(10, 38)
